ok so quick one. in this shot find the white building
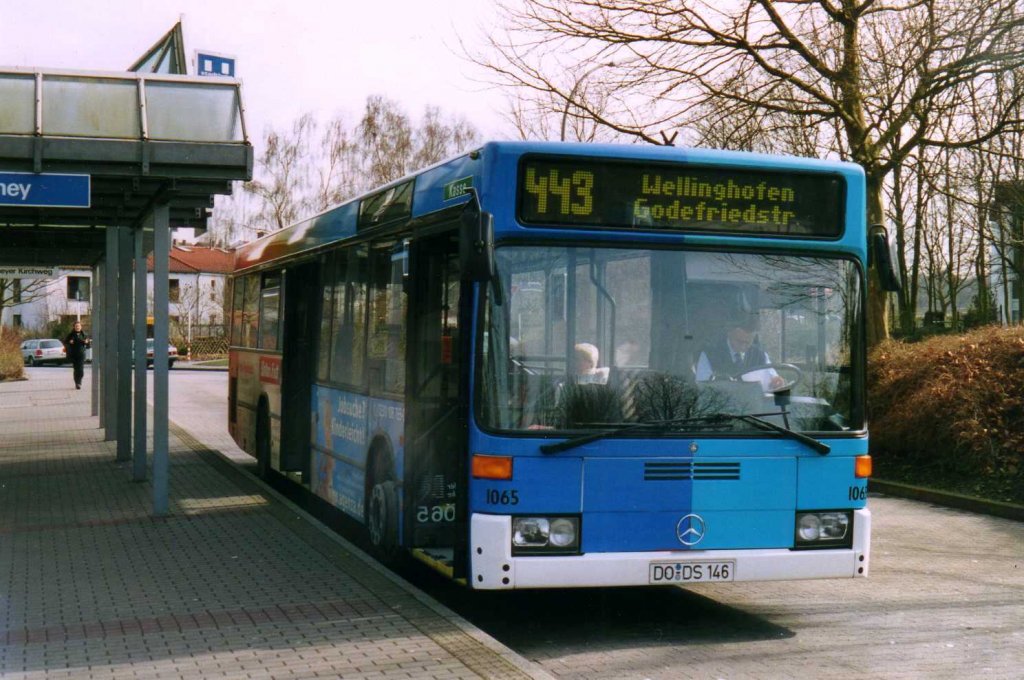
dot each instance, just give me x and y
(197, 280)
(198, 277)
(32, 303)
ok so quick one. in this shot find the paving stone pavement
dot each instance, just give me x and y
(234, 583)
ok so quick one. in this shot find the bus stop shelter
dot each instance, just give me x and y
(96, 169)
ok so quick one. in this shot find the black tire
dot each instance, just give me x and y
(263, 442)
(382, 519)
(33, 363)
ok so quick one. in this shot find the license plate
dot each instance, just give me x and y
(691, 572)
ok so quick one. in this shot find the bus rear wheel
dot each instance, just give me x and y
(382, 519)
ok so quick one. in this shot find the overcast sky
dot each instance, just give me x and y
(293, 55)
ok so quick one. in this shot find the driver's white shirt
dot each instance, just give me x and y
(764, 375)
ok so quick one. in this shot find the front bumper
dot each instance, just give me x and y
(494, 568)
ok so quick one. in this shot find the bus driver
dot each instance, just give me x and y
(735, 354)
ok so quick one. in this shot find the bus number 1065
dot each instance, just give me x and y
(502, 497)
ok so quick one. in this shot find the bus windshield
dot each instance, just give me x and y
(590, 338)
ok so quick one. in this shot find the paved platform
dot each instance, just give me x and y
(235, 583)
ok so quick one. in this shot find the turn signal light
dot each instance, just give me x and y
(492, 467)
(862, 467)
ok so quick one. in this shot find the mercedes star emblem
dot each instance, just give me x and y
(690, 529)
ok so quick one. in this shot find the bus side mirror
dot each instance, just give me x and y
(880, 257)
(476, 243)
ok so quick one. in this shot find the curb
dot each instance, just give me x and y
(498, 648)
(948, 499)
(184, 367)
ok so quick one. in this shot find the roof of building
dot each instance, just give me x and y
(196, 259)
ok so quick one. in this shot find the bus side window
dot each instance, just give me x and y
(236, 311)
(250, 309)
(349, 317)
(270, 311)
(327, 274)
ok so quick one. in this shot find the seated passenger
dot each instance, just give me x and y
(586, 370)
(733, 355)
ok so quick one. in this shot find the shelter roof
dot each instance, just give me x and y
(143, 139)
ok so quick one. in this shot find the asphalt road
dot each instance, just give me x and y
(945, 599)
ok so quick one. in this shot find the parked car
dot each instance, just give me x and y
(172, 354)
(43, 351)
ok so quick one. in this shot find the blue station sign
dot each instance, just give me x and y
(213, 64)
(32, 190)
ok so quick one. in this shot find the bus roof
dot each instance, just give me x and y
(493, 170)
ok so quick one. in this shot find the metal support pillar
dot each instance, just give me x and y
(124, 342)
(110, 336)
(139, 452)
(97, 341)
(93, 371)
(161, 458)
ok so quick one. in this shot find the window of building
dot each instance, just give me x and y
(17, 292)
(17, 320)
(78, 288)
(173, 290)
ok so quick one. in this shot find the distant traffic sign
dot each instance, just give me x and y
(31, 190)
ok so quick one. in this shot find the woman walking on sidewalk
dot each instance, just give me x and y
(76, 342)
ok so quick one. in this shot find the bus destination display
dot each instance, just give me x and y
(648, 196)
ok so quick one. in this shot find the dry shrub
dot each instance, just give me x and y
(950, 404)
(12, 367)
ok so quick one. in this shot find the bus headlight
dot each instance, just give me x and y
(824, 529)
(545, 535)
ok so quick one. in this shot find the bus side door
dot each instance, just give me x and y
(435, 408)
(300, 328)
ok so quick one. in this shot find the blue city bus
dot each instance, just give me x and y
(519, 365)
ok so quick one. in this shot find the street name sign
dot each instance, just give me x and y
(28, 272)
(32, 190)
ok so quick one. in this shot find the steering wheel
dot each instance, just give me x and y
(796, 377)
(520, 365)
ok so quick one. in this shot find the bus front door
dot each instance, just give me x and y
(299, 329)
(434, 526)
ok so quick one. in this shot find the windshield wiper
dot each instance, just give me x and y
(818, 445)
(668, 425)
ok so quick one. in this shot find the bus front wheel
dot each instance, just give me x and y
(382, 519)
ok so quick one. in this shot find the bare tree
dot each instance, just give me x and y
(314, 167)
(19, 291)
(872, 70)
(338, 170)
(284, 181)
(385, 135)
